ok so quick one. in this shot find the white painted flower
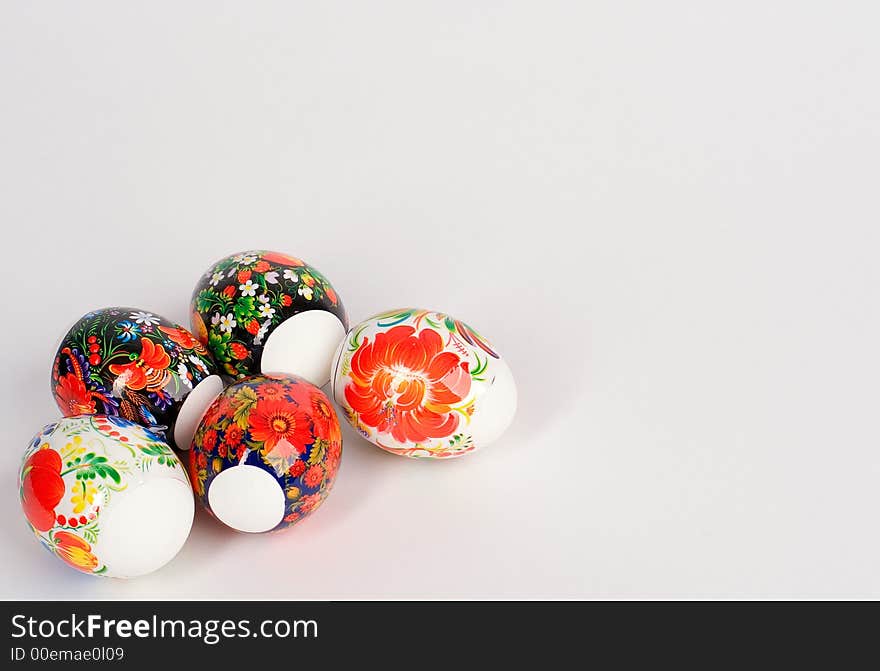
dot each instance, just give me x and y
(266, 310)
(263, 298)
(215, 319)
(290, 275)
(244, 259)
(271, 277)
(227, 323)
(198, 363)
(183, 373)
(305, 291)
(216, 277)
(147, 318)
(248, 288)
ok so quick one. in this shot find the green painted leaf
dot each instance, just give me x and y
(244, 308)
(205, 300)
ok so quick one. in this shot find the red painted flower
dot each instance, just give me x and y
(404, 384)
(334, 455)
(194, 469)
(309, 503)
(313, 476)
(272, 421)
(42, 488)
(283, 259)
(271, 390)
(75, 551)
(149, 369)
(298, 468)
(233, 437)
(209, 440)
(71, 393)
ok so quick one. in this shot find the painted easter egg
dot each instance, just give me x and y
(266, 453)
(420, 383)
(267, 312)
(139, 366)
(105, 495)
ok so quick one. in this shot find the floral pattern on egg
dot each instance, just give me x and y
(413, 381)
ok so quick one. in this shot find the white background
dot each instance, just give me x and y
(665, 215)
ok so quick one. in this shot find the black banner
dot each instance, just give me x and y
(235, 633)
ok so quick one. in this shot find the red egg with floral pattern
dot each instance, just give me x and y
(419, 383)
(266, 453)
(267, 312)
(137, 365)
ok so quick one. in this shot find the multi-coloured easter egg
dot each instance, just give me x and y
(266, 453)
(420, 383)
(267, 312)
(139, 366)
(105, 495)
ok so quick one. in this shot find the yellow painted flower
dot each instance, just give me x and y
(83, 496)
(75, 551)
(74, 448)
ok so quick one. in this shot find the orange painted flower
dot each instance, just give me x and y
(274, 420)
(183, 338)
(324, 419)
(149, 369)
(404, 384)
(75, 551)
(73, 396)
(42, 488)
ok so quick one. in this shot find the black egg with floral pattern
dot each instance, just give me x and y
(132, 363)
(267, 312)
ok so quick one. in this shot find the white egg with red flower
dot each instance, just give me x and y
(420, 383)
(105, 495)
